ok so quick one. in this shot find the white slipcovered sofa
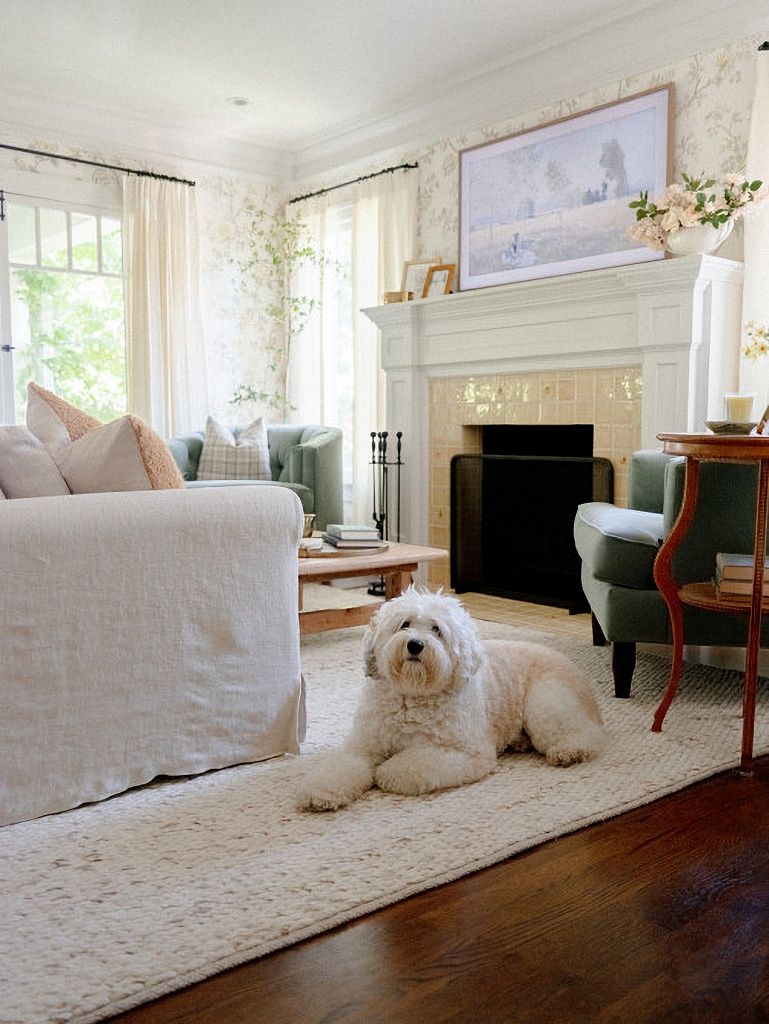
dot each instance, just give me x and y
(145, 633)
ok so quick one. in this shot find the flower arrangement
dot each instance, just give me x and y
(696, 201)
(757, 343)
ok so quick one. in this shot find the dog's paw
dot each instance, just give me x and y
(321, 801)
(429, 769)
(332, 780)
(563, 757)
(396, 779)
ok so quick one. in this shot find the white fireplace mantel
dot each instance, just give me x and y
(677, 319)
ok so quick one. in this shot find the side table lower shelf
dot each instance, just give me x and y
(703, 595)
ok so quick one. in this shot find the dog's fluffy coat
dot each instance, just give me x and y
(439, 706)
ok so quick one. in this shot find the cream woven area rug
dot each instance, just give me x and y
(109, 906)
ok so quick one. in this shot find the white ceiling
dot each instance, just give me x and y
(310, 70)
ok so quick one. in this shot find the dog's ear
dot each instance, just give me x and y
(369, 645)
(472, 651)
(370, 642)
(385, 619)
(469, 648)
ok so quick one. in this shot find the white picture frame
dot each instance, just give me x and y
(415, 275)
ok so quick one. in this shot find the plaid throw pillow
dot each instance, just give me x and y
(225, 457)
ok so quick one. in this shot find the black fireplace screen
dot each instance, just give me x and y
(512, 522)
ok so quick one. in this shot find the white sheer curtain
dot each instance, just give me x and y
(754, 376)
(334, 367)
(166, 368)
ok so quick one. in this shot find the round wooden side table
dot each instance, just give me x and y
(698, 448)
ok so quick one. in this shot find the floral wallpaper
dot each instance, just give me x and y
(713, 99)
(239, 338)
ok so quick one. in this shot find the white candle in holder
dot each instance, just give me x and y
(738, 408)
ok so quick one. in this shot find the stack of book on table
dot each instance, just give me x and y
(363, 538)
(734, 577)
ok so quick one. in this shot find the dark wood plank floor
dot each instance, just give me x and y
(659, 915)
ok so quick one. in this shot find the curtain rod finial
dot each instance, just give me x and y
(763, 46)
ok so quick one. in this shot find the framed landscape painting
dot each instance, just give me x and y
(554, 200)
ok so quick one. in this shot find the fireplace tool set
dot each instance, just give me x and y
(381, 466)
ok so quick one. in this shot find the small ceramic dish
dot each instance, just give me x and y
(725, 427)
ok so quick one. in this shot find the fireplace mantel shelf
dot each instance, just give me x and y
(596, 318)
(678, 320)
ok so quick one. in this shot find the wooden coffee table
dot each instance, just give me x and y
(396, 564)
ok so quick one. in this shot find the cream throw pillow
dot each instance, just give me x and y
(124, 455)
(225, 457)
(27, 469)
(54, 421)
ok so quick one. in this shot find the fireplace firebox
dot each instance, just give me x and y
(513, 508)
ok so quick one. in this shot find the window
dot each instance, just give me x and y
(335, 368)
(62, 306)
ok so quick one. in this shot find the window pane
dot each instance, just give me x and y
(85, 252)
(69, 337)
(53, 238)
(67, 307)
(111, 246)
(21, 234)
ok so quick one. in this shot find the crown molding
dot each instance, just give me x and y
(166, 148)
(568, 65)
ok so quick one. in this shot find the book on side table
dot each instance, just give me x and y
(342, 540)
(375, 544)
(352, 532)
(734, 576)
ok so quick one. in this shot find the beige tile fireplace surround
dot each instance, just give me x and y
(633, 351)
(609, 399)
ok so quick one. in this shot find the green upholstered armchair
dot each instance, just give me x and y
(618, 547)
(307, 459)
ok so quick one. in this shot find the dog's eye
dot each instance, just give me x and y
(406, 624)
(437, 630)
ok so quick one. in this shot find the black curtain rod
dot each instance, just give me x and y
(763, 46)
(95, 163)
(355, 181)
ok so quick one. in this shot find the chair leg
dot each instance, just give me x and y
(599, 640)
(622, 665)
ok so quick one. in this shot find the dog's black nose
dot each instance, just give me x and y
(415, 647)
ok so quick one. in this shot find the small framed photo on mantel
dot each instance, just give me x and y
(415, 275)
(438, 281)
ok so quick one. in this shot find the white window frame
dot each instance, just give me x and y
(58, 193)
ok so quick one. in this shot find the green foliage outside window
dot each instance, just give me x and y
(70, 337)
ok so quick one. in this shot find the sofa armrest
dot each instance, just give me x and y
(186, 451)
(646, 481)
(145, 633)
(316, 462)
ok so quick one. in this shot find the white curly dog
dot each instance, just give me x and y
(438, 706)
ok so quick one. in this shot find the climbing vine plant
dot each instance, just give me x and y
(278, 246)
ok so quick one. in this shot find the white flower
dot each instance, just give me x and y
(758, 340)
(696, 201)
